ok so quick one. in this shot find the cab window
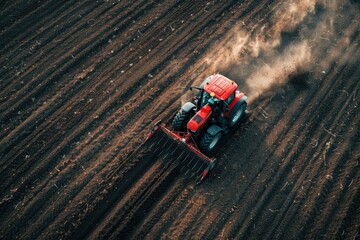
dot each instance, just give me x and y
(205, 98)
(230, 98)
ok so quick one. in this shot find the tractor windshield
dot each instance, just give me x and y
(205, 99)
(230, 98)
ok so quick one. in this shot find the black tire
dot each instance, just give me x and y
(237, 114)
(208, 142)
(224, 124)
(180, 120)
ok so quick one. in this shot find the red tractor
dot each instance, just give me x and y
(217, 108)
(200, 124)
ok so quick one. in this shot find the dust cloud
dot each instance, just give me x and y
(297, 37)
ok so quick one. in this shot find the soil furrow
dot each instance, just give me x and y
(82, 83)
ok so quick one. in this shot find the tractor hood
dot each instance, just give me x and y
(221, 86)
(199, 119)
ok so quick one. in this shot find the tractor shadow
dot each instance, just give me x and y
(245, 147)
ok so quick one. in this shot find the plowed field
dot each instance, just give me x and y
(82, 82)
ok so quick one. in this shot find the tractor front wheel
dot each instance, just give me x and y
(180, 120)
(237, 114)
(209, 142)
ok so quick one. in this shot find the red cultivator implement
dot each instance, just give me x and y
(200, 124)
(192, 162)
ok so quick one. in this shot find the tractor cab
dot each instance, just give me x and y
(216, 108)
(217, 91)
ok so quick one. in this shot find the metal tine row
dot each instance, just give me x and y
(162, 143)
(199, 170)
(156, 142)
(183, 160)
(167, 149)
(194, 163)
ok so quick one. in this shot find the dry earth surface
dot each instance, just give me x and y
(82, 82)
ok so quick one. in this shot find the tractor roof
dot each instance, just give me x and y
(221, 86)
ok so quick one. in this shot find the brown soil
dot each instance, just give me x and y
(82, 83)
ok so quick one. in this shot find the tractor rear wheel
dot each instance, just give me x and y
(209, 142)
(238, 113)
(180, 120)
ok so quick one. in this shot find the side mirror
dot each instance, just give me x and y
(196, 87)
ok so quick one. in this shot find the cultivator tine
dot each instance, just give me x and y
(154, 144)
(193, 166)
(200, 168)
(157, 142)
(180, 156)
(184, 160)
(190, 163)
(192, 169)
